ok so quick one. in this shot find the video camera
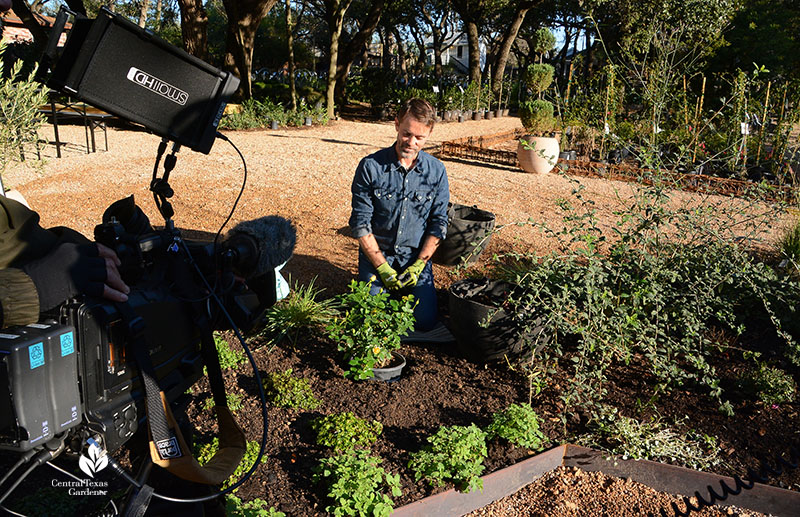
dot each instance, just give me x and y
(72, 376)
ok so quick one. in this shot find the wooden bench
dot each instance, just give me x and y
(91, 118)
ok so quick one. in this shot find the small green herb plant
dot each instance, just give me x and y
(287, 391)
(455, 453)
(228, 357)
(299, 311)
(369, 328)
(234, 402)
(769, 384)
(234, 507)
(205, 451)
(518, 424)
(345, 431)
(357, 484)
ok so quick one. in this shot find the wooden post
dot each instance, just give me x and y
(763, 123)
(685, 104)
(609, 85)
(697, 113)
(569, 83)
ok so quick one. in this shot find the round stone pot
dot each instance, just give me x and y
(498, 113)
(274, 124)
(308, 121)
(543, 156)
(489, 115)
(477, 115)
(392, 372)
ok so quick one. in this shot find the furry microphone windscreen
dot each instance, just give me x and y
(270, 241)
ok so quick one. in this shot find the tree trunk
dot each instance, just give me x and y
(357, 45)
(22, 10)
(143, 12)
(505, 47)
(244, 17)
(387, 50)
(588, 64)
(421, 55)
(401, 55)
(335, 10)
(159, 6)
(565, 51)
(194, 24)
(290, 39)
(473, 44)
(437, 53)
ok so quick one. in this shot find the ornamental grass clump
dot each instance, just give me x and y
(455, 453)
(369, 327)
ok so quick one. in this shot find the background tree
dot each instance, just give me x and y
(244, 18)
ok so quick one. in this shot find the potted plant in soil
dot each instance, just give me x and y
(538, 150)
(368, 331)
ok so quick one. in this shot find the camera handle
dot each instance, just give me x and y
(160, 186)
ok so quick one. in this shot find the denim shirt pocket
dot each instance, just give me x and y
(422, 200)
(384, 200)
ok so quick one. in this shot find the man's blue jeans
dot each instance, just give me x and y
(426, 311)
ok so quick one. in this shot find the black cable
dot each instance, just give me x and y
(25, 458)
(262, 395)
(40, 459)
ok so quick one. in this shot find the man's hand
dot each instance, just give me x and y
(72, 269)
(388, 276)
(410, 276)
(114, 289)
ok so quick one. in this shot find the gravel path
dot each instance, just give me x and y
(300, 173)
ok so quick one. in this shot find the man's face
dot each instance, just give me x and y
(411, 136)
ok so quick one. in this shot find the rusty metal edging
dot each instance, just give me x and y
(766, 499)
(664, 478)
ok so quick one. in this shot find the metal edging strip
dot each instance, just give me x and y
(658, 476)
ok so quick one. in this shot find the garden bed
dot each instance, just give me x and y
(439, 388)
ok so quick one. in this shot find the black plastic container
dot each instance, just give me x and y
(469, 225)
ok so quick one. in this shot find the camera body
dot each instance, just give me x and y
(74, 371)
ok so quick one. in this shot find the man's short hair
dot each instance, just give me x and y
(420, 109)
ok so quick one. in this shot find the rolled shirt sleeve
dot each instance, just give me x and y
(437, 221)
(361, 202)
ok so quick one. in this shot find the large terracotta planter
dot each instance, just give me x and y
(543, 156)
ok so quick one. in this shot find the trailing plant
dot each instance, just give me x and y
(299, 311)
(234, 507)
(357, 484)
(455, 453)
(345, 431)
(369, 327)
(655, 441)
(286, 391)
(518, 424)
(769, 384)
(648, 289)
(203, 452)
(790, 245)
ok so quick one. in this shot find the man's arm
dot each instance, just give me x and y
(428, 248)
(369, 246)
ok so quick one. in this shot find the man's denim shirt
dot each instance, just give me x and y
(396, 206)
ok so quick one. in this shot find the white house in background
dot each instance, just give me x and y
(456, 52)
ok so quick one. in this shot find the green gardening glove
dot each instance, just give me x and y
(409, 277)
(388, 276)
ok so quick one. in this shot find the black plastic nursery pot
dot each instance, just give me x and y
(766, 499)
(393, 371)
(468, 225)
(474, 301)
